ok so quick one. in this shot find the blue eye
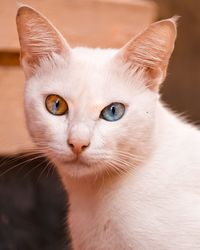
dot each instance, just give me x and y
(113, 112)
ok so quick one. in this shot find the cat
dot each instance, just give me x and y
(131, 166)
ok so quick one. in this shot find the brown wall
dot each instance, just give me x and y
(182, 87)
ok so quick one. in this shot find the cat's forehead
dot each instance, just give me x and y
(92, 56)
(92, 73)
(81, 66)
(88, 75)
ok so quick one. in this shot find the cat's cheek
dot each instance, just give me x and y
(135, 132)
(47, 131)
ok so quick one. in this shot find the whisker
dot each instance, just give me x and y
(19, 164)
(43, 171)
(35, 167)
(16, 157)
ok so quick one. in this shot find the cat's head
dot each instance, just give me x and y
(92, 110)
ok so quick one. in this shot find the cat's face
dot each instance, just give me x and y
(91, 110)
(88, 83)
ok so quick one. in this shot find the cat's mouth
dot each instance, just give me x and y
(76, 161)
(80, 165)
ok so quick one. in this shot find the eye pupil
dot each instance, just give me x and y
(113, 110)
(57, 103)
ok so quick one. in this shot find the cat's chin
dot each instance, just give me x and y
(77, 167)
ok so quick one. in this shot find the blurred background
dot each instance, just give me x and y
(32, 201)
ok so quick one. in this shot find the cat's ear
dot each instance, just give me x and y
(38, 39)
(150, 51)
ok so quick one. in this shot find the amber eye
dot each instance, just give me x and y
(56, 105)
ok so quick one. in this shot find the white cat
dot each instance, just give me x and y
(131, 167)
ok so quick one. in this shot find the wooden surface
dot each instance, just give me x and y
(91, 23)
(97, 23)
(13, 133)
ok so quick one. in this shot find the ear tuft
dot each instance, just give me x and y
(20, 4)
(175, 19)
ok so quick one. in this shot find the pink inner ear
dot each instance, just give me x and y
(38, 37)
(153, 47)
(151, 50)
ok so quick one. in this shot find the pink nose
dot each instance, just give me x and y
(77, 146)
(78, 138)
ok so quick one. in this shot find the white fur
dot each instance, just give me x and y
(137, 184)
(156, 204)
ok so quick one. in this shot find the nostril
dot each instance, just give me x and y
(84, 147)
(71, 145)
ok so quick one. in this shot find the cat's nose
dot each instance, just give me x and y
(77, 146)
(78, 138)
